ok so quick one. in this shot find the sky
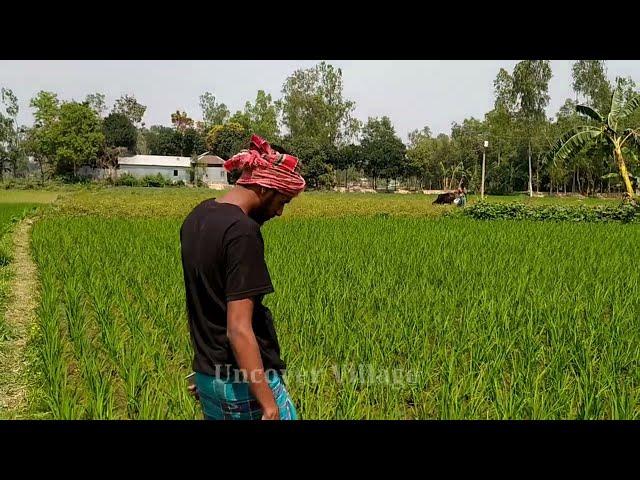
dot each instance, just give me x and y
(412, 93)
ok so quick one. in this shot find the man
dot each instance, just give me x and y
(237, 364)
(461, 197)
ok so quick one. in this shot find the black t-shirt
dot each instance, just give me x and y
(223, 260)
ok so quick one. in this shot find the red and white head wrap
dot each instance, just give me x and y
(262, 165)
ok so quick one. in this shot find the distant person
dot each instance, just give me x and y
(461, 197)
(237, 363)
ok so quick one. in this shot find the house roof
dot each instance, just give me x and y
(211, 160)
(155, 161)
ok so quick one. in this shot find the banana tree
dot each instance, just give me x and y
(607, 130)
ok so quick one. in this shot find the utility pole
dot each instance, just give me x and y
(530, 175)
(484, 149)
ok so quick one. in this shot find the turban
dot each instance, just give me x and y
(262, 165)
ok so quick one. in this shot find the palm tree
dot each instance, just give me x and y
(607, 131)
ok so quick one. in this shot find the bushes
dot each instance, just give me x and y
(154, 181)
(28, 184)
(61, 183)
(519, 211)
(128, 180)
(52, 184)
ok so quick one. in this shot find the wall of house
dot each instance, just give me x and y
(167, 172)
(215, 175)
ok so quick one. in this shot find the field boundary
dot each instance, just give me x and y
(19, 317)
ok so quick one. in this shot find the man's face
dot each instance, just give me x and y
(272, 205)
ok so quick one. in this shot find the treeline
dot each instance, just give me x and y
(313, 120)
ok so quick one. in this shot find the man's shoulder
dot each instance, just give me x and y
(241, 224)
(225, 218)
(198, 209)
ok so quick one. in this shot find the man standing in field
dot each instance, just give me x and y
(237, 364)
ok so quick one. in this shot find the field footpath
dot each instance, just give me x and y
(20, 316)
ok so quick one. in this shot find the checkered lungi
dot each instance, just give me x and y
(232, 400)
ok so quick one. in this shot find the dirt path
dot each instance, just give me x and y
(19, 316)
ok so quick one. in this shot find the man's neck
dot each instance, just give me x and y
(244, 198)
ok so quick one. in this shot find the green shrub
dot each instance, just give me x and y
(519, 211)
(127, 180)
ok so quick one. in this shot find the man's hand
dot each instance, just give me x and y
(271, 414)
(193, 391)
(245, 349)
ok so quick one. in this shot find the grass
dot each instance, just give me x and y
(10, 214)
(112, 344)
(14, 206)
(177, 202)
(28, 196)
(475, 319)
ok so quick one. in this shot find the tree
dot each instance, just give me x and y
(508, 125)
(96, 101)
(420, 157)
(39, 147)
(531, 86)
(181, 121)
(142, 145)
(317, 161)
(121, 138)
(41, 139)
(541, 141)
(11, 134)
(263, 116)
(163, 140)
(241, 118)
(349, 156)
(129, 106)
(317, 169)
(119, 132)
(582, 161)
(212, 113)
(445, 157)
(317, 118)
(182, 140)
(441, 162)
(530, 89)
(47, 107)
(5, 127)
(605, 129)
(65, 136)
(628, 89)
(504, 137)
(313, 106)
(227, 140)
(383, 150)
(504, 93)
(108, 159)
(416, 136)
(467, 144)
(192, 143)
(589, 79)
(78, 137)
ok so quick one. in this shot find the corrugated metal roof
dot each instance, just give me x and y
(155, 161)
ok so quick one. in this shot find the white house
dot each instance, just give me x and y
(209, 168)
(172, 168)
(213, 169)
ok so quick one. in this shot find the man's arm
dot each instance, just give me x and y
(245, 348)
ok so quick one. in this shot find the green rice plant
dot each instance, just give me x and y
(481, 320)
